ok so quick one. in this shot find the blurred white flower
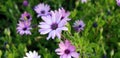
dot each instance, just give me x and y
(33, 54)
(83, 1)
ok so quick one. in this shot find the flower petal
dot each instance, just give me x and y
(58, 33)
(53, 34)
(68, 56)
(64, 56)
(47, 19)
(62, 45)
(72, 48)
(75, 54)
(64, 28)
(59, 51)
(44, 31)
(53, 16)
(62, 23)
(44, 26)
(50, 35)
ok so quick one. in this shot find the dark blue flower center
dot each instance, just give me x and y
(54, 26)
(95, 24)
(67, 51)
(42, 12)
(80, 26)
(62, 17)
(27, 16)
(25, 28)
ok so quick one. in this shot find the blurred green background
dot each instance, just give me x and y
(102, 41)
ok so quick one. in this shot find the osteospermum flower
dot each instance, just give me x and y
(42, 9)
(64, 13)
(79, 25)
(24, 27)
(26, 16)
(67, 50)
(52, 25)
(118, 2)
(33, 54)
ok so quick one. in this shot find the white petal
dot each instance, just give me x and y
(64, 28)
(62, 23)
(21, 32)
(44, 31)
(68, 56)
(28, 32)
(50, 34)
(42, 23)
(58, 17)
(64, 56)
(47, 19)
(25, 57)
(44, 26)
(27, 54)
(53, 16)
(53, 34)
(58, 33)
(59, 51)
(75, 54)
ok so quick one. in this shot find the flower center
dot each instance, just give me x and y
(25, 28)
(42, 12)
(62, 17)
(67, 51)
(54, 26)
(27, 16)
(79, 26)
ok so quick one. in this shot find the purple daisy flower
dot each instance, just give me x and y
(24, 27)
(79, 25)
(26, 16)
(118, 2)
(42, 9)
(25, 3)
(52, 25)
(65, 14)
(66, 50)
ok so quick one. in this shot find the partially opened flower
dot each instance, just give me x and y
(42, 9)
(64, 13)
(24, 27)
(25, 16)
(31, 54)
(79, 25)
(67, 50)
(118, 2)
(52, 25)
(25, 3)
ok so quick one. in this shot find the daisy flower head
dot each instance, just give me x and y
(31, 54)
(118, 2)
(67, 50)
(25, 16)
(79, 25)
(64, 13)
(52, 25)
(42, 9)
(24, 27)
